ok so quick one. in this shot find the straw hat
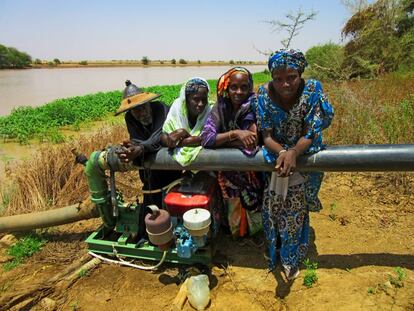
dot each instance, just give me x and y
(133, 97)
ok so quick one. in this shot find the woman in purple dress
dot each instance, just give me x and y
(232, 124)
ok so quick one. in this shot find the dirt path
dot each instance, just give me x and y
(358, 240)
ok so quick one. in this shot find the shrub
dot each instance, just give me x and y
(145, 60)
(325, 62)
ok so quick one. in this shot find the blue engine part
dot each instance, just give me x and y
(184, 242)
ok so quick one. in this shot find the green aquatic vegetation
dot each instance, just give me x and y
(43, 123)
(23, 249)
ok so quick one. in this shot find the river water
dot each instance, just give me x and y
(34, 87)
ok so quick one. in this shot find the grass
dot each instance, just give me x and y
(23, 249)
(397, 279)
(310, 277)
(51, 178)
(82, 273)
(332, 214)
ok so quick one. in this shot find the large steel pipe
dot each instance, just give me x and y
(48, 218)
(353, 158)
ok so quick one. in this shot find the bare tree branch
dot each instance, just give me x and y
(293, 26)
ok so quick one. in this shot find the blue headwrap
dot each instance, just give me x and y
(194, 84)
(287, 58)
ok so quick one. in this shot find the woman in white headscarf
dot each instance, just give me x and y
(186, 120)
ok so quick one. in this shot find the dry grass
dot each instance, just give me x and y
(372, 111)
(52, 178)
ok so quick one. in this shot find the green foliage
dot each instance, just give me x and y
(173, 61)
(310, 277)
(397, 279)
(23, 249)
(12, 58)
(332, 213)
(381, 38)
(57, 61)
(38, 61)
(325, 62)
(82, 273)
(25, 123)
(83, 63)
(145, 60)
(182, 61)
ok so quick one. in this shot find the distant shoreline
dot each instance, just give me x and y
(91, 64)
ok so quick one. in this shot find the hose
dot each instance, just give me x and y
(127, 263)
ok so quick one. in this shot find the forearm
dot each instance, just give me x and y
(226, 139)
(302, 145)
(271, 143)
(192, 141)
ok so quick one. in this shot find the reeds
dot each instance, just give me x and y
(52, 179)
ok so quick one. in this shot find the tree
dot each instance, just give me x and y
(293, 26)
(182, 61)
(57, 61)
(355, 6)
(37, 61)
(11, 57)
(145, 60)
(379, 40)
(173, 61)
(325, 62)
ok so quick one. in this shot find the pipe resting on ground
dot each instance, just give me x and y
(48, 218)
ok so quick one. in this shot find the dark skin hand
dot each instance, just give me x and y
(129, 152)
(174, 139)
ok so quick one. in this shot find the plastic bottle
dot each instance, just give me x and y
(198, 291)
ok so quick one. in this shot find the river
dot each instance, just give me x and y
(35, 87)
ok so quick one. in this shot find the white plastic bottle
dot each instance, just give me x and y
(198, 291)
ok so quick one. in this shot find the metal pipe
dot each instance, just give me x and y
(48, 218)
(353, 158)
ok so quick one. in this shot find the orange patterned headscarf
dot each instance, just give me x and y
(223, 82)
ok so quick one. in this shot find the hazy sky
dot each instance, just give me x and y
(204, 30)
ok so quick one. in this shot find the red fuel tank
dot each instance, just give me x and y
(195, 192)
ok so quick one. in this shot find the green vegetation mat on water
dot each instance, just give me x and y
(25, 123)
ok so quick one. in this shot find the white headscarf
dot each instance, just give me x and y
(178, 118)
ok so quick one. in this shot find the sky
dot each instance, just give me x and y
(192, 30)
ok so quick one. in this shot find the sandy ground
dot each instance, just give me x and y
(363, 233)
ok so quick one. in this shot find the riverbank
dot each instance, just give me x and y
(137, 63)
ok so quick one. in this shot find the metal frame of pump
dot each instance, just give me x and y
(123, 225)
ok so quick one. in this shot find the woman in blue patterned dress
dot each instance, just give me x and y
(291, 115)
